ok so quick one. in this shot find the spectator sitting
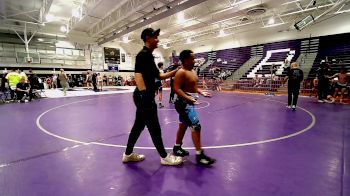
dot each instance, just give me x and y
(314, 87)
(23, 90)
(256, 81)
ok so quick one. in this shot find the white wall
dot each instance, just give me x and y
(256, 35)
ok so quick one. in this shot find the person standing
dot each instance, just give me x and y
(146, 108)
(186, 88)
(342, 84)
(294, 77)
(88, 80)
(94, 81)
(63, 81)
(159, 86)
(99, 81)
(323, 82)
(54, 80)
(13, 78)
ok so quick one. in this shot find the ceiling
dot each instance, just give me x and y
(103, 21)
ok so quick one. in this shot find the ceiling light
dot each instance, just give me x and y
(49, 18)
(180, 17)
(126, 39)
(222, 33)
(189, 40)
(76, 13)
(271, 21)
(40, 39)
(63, 28)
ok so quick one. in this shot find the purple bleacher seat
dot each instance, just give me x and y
(333, 47)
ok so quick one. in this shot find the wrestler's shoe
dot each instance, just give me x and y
(178, 151)
(203, 159)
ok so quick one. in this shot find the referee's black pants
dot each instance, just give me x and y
(146, 116)
(323, 87)
(293, 94)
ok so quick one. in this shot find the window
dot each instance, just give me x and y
(59, 51)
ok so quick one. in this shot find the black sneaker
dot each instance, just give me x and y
(178, 151)
(203, 159)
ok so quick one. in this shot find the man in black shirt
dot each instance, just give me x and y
(23, 90)
(294, 77)
(146, 72)
(94, 81)
(323, 82)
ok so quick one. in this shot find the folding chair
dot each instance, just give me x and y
(2, 97)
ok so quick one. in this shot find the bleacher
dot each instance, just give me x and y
(275, 53)
(229, 60)
(275, 58)
(41, 57)
(336, 51)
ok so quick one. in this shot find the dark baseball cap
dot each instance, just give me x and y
(149, 32)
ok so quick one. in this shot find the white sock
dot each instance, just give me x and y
(177, 144)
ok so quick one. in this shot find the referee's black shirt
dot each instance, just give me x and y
(146, 66)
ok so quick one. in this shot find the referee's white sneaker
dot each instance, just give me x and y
(133, 157)
(171, 160)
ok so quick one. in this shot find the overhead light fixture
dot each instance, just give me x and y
(49, 18)
(63, 28)
(126, 39)
(40, 39)
(222, 33)
(189, 40)
(180, 17)
(76, 13)
(272, 22)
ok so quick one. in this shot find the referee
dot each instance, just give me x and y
(146, 72)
